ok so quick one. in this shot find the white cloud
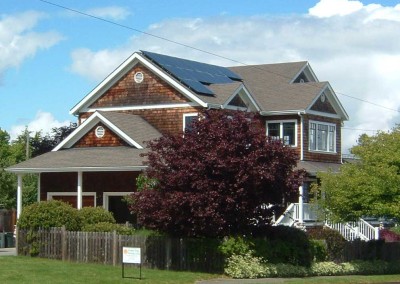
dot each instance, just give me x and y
(329, 8)
(110, 12)
(358, 52)
(17, 40)
(43, 121)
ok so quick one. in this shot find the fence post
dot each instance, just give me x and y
(168, 248)
(114, 248)
(16, 229)
(63, 243)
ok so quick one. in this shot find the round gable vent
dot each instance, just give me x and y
(323, 98)
(139, 76)
(100, 131)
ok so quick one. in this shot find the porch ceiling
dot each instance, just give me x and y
(84, 159)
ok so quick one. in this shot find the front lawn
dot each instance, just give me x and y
(21, 269)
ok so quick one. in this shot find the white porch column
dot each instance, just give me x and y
(19, 195)
(79, 193)
(301, 205)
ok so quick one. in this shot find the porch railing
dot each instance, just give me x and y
(360, 229)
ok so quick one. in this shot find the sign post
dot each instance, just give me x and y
(133, 256)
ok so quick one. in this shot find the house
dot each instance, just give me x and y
(152, 94)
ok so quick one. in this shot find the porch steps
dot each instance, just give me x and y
(360, 229)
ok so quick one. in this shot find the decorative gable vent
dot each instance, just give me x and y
(139, 77)
(100, 131)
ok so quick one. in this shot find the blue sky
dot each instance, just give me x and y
(50, 57)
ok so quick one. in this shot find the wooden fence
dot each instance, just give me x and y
(106, 248)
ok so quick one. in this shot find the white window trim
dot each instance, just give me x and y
(50, 195)
(281, 122)
(316, 142)
(184, 118)
(107, 194)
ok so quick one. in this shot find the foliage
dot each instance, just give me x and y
(244, 266)
(240, 267)
(335, 242)
(108, 227)
(318, 250)
(235, 246)
(213, 179)
(94, 215)
(370, 186)
(283, 244)
(396, 229)
(49, 214)
(389, 235)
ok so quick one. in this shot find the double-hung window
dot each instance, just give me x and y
(322, 137)
(283, 130)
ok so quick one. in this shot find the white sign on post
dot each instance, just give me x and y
(131, 255)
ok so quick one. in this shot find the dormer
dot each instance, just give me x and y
(305, 75)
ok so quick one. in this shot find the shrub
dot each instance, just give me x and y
(108, 227)
(389, 235)
(318, 250)
(94, 215)
(235, 245)
(328, 268)
(282, 244)
(48, 214)
(335, 242)
(285, 270)
(245, 266)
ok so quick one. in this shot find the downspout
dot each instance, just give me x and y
(301, 136)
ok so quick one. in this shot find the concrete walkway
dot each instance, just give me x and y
(8, 252)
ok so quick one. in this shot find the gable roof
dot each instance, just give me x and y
(133, 129)
(272, 87)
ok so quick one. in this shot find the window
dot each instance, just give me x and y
(322, 136)
(188, 120)
(283, 130)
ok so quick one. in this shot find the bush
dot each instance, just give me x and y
(282, 244)
(328, 268)
(108, 227)
(94, 215)
(335, 242)
(48, 214)
(389, 235)
(235, 245)
(285, 270)
(245, 266)
(318, 250)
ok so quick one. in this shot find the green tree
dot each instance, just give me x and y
(371, 185)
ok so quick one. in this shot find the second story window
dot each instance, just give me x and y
(188, 119)
(283, 130)
(322, 137)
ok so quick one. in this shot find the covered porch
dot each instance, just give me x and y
(94, 176)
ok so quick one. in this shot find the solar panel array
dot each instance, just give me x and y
(193, 74)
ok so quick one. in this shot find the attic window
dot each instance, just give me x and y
(139, 77)
(100, 131)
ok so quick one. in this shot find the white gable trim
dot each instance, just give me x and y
(89, 124)
(121, 70)
(333, 99)
(308, 71)
(122, 108)
(235, 93)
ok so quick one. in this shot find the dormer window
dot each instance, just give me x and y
(284, 131)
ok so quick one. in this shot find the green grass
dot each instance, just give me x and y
(20, 269)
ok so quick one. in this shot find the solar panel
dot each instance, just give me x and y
(193, 74)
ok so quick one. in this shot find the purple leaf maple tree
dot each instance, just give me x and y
(215, 179)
